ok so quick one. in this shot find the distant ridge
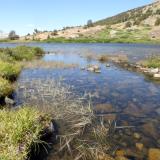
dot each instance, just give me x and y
(137, 25)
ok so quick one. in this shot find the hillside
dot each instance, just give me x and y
(137, 25)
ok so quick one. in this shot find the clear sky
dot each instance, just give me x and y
(25, 15)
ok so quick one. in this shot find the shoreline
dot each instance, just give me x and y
(102, 41)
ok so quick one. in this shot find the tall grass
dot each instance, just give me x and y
(9, 70)
(151, 62)
(80, 135)
(18, 130)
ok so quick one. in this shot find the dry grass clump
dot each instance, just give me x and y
(18, 130)
(80, 135)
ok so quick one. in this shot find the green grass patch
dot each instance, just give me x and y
(5, 87)
(19, 129)
(152, 62)
(9, 71)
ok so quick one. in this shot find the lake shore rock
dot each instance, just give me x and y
(154, 154)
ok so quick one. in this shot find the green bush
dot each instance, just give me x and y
(9, 70)
(5, 88)
(18, 130)
(26, 53)
(158, 11)
(38, 51)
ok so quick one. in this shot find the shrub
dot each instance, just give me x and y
(9, 70)
(26, 53)
(18, 130)
(5, 88)
(137, 22)
(128, 24)
(157, 23)
(38, 51)
(152, 62)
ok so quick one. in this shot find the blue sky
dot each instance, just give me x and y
(25, 15)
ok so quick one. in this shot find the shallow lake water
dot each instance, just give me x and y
(135, 99)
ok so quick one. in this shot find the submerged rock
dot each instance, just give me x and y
(9, 101)
(108, 65)
(94, 68)
(104, 108)
(150, 130)
(154, 154)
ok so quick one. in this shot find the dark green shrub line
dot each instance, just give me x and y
(102, 40)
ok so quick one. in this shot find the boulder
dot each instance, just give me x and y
(94, 68)
(155, 70)
(104, 108)
(157, 75)
(154, 154)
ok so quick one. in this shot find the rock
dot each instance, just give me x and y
(109, 117)
(108, 65)
(139, 146)
(136, 135)
(157, 75)
(154, 154)
(150, 129)
(97, 71)
(104, 108)
(82, 68)
(9, 101)
(156, 70)
(91, 69)
(94, 68)
(133, 110)
(120, 153)
(158, 111)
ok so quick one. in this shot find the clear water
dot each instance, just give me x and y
(136, 99)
